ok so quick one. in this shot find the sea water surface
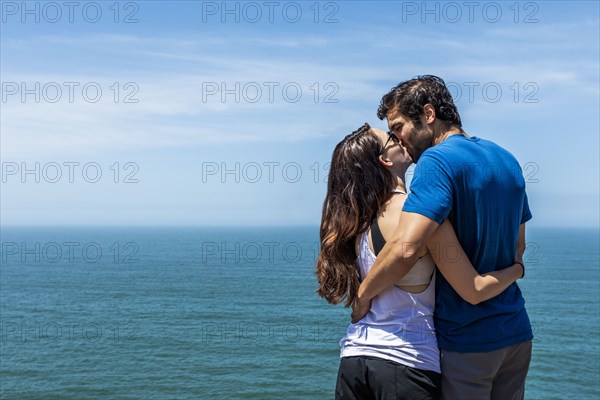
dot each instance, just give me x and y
(231, 313)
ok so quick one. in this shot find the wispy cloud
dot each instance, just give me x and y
(187, 93)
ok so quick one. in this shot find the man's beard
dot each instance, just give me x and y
(423, 141)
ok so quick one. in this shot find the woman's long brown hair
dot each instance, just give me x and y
(358, 186)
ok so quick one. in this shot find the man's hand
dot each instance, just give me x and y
(360, 308)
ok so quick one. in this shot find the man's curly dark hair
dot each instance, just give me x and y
(410, 96)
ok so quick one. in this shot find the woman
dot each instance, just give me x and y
(392, 352)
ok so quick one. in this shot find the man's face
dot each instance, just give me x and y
(415, 139)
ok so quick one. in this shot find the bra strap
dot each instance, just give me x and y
(378, 240)
(376, 235)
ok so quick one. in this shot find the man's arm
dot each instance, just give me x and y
(397, 257)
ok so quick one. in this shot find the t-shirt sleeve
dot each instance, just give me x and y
(430, 189)
(526, 216)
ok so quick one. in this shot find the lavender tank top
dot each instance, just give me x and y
(399, 327)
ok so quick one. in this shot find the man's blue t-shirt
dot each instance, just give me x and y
(479, 187)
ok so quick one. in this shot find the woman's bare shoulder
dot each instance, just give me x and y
(388, 220)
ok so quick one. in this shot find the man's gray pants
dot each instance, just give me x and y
(492, 375)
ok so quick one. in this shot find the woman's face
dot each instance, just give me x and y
(393, 150)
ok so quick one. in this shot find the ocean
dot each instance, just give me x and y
(231, 313)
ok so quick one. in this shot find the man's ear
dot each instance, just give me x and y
(386, 162)
(429, 113)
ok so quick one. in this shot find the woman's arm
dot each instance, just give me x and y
(461, 274)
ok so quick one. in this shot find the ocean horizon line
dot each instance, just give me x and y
(248, 226)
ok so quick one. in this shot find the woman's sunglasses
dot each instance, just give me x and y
(391, 136)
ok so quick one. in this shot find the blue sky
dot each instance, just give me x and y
(213, 113)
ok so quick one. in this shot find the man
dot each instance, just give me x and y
(479, 187)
